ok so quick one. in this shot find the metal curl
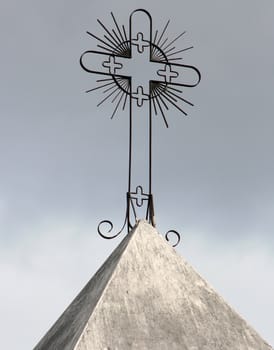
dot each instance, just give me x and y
(176, 234)
(108, 222)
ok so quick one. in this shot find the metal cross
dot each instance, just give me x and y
(122, 62)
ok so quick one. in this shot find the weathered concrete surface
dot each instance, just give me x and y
(145, 296)
(67, 330)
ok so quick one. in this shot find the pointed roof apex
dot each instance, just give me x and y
(145, 296)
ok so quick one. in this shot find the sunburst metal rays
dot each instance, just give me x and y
(157, 54)
(115, 41)
(164, 46)
(110, 86)
(163, 96)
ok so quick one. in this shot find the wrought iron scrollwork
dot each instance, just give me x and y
(135, 200)
(177, 236)
(105, 235)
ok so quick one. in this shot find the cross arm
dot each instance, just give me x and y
(179, 74)
(102, 63)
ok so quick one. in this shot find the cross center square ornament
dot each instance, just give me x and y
(139, 67)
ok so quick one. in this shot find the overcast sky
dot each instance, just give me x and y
(64, 162)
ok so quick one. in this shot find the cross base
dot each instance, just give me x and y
(139, 199)
(133, 200)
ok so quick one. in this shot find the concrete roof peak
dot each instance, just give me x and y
(145, 296)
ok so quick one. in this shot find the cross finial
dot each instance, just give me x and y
(144, 69)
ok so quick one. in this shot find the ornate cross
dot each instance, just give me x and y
(123, 59)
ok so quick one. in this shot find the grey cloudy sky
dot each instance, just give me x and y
(64, 162)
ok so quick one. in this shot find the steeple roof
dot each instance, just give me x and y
(145, 296)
